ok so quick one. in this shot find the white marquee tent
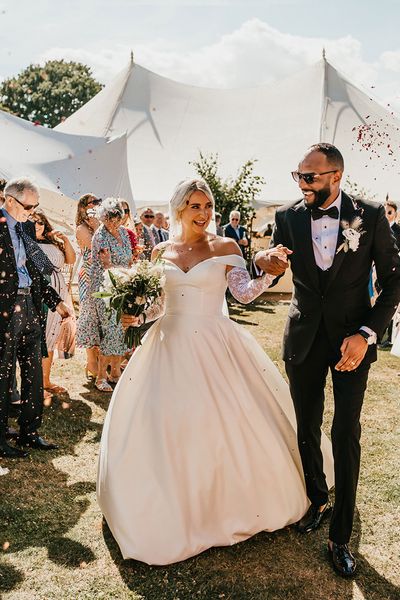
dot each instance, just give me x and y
(167, 123)
(64, 166)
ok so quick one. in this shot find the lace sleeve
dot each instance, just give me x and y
(243, 288)
(156, 310)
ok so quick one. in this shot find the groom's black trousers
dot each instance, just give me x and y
(307, 384)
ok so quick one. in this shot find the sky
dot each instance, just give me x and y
(215, 43)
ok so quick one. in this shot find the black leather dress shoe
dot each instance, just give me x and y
(343, 561)
(313, 518)
(7, 451)
(36, 442)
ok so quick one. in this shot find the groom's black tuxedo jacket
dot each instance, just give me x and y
(40, 289)
(343, 300)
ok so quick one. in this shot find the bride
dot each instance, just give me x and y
(199, 443)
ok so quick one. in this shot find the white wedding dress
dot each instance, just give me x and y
(199, 444)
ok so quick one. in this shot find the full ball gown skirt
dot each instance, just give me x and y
(199, 443)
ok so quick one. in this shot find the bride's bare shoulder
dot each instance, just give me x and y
(224, 245)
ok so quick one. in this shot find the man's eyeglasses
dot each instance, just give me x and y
(309, 177)
(148, 216)
(234, 219)
(26, 207)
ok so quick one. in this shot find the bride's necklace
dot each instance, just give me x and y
(182, 252)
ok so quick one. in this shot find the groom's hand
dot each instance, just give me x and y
(273, 261)
(353, 351)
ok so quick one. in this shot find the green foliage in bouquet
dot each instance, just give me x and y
(132, 291)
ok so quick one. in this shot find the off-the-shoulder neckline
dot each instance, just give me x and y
(201, 261)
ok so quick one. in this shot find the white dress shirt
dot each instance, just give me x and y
(324, 233)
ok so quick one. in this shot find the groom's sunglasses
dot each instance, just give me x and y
(309, 177)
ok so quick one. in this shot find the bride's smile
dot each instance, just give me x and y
(197, 214)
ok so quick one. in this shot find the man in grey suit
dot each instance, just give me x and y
(160, 234)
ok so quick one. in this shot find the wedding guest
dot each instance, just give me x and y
(218, 226)
(111, 247)
(139, 230)
(160, 234)
(391, 215)
(129, 225)
(3, 184)
(23, 289)
(147, 218)
(236, 231)
(86, 225)
(29, 228)
(60, 334)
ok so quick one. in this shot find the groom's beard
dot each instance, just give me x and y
(318, 199)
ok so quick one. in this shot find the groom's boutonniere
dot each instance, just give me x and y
(351, 233)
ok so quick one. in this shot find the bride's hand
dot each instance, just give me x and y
(130, 321)
(273, 261)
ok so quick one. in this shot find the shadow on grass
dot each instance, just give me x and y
(270, 566)
(238, 309)
(101, 399)
(38, 508)
(10, 577)
(244, 322)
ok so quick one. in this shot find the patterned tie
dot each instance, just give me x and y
(35, 253)
(331, 212)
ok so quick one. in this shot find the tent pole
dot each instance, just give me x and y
(325, 99)
(121, 93)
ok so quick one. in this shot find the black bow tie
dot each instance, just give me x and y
(331, 212)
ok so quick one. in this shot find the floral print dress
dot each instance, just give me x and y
(103, 324)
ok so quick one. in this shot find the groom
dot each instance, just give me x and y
(331, 325)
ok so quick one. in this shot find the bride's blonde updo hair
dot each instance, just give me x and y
(180, 199)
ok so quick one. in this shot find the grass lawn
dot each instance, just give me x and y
(56, 547)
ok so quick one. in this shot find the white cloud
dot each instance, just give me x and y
(391, 61)
(253, 54)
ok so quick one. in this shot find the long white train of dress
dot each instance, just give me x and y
(199, 444)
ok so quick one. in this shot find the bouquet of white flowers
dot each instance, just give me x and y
(131, 291)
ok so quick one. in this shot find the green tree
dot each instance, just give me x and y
(239, 193)
(48, 94)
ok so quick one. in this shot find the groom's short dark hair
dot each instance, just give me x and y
(332, 154)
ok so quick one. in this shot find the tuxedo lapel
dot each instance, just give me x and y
(348, 211)
(5, 239)
(302, 224)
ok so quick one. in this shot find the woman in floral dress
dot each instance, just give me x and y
(111, 247)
